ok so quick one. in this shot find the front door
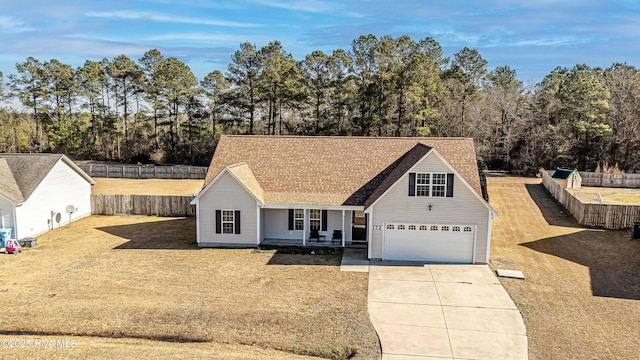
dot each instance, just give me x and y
(359, 226)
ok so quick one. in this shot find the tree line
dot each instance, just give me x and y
(155, 110)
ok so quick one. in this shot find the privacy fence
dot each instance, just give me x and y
(595, 215)
(610, 180)
(102, 204)
(144, 171)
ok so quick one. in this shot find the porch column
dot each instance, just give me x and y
(343, 233)
(304, 227)
(370, 234)
(258, 225)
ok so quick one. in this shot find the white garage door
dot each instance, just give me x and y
(430, 243)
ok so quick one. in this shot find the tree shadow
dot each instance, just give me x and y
(177, 234)
(292, 255)
(612, 257)
(551, 210)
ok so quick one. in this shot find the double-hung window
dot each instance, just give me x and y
(228, 221)
(315, 218)
(438, 184)
(423, 182)
(431, 184)
(298, 219)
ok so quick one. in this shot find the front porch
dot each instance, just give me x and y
(311, 226)
(308, 243)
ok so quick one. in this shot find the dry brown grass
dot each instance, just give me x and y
(146, 186)
(108, 348)
(143, 278)
(623, 196)
(581, 296)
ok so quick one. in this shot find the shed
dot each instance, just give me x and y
(568, 178)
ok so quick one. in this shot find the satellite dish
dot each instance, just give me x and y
(70, 209)
(58, 218)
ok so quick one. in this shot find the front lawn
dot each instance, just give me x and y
(143, 278)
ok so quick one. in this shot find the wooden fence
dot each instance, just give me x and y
(102, 204)
(595, 215)
(610, 180)
(144, 171)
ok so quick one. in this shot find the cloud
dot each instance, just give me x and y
(206, 38)
(10, 25)
(142, 15)
(313, 6)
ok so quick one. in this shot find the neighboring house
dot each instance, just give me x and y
(35, 188)
(405, 198)
(568, 178)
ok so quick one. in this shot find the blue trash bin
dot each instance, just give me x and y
(5, 234)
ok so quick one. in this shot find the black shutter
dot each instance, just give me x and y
(412, 184)
(237, 221)
(218, 221)
(324, 220)
(449, 185)
(290, 219)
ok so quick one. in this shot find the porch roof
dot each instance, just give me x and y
(331, 171)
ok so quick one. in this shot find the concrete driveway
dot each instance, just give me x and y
(425, 311)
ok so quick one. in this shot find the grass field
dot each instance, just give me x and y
(611, 196)
(146, 186)
(138, 287)
(581, 295)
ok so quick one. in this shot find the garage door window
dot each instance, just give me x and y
(412, 227)
(467, 229)
(400, 227)
(423, 227)
(434, 228)
(455, 228)
(390, 227)
(445, 228)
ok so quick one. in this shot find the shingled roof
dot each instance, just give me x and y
(562, 174)
(20, 174)
(323, 170)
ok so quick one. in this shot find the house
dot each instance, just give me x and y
(36, 190)
(567, 178)
(404, 198)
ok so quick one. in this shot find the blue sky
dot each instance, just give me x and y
(532, 37)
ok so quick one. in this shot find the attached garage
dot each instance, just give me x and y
(448, 243)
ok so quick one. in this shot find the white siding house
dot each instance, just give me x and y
(227, 197)
(403, 198)
(463, 209)
(37, 189)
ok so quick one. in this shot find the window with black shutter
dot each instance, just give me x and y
(227, 221)
(412, 184)
(450, 185)
(324, 220)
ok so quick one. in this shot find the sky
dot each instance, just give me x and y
(533, 37)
